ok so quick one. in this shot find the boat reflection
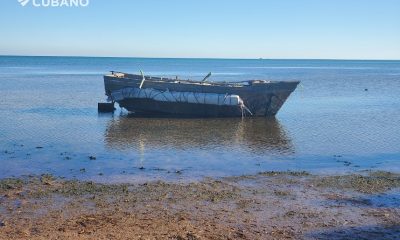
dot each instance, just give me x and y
(256, 135)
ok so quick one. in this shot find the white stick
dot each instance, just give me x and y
(143, 78)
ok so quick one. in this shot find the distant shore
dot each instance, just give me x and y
(268, 205)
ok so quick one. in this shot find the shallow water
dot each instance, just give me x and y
(329, 124)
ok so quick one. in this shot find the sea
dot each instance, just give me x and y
(343, 117)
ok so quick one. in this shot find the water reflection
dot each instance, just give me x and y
(258, 135)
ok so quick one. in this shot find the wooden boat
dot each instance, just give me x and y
(156, 96)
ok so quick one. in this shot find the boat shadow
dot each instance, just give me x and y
(255, 135)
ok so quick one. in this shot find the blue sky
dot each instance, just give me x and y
(337, 29)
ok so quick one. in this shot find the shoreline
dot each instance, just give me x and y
(268, 205)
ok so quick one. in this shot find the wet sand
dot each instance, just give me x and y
(268, 205)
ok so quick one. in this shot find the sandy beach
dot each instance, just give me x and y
(268, 205)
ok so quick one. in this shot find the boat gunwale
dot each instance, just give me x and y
(155, 79)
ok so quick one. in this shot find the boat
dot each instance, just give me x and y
(159, 96)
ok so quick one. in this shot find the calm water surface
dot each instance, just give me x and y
(49, 121)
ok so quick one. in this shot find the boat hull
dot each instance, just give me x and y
(150, 107)
(261, 99)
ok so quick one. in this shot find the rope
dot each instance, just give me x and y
(247, 109)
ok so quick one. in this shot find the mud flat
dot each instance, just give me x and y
(269, 205)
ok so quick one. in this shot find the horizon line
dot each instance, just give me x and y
(216, 58)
